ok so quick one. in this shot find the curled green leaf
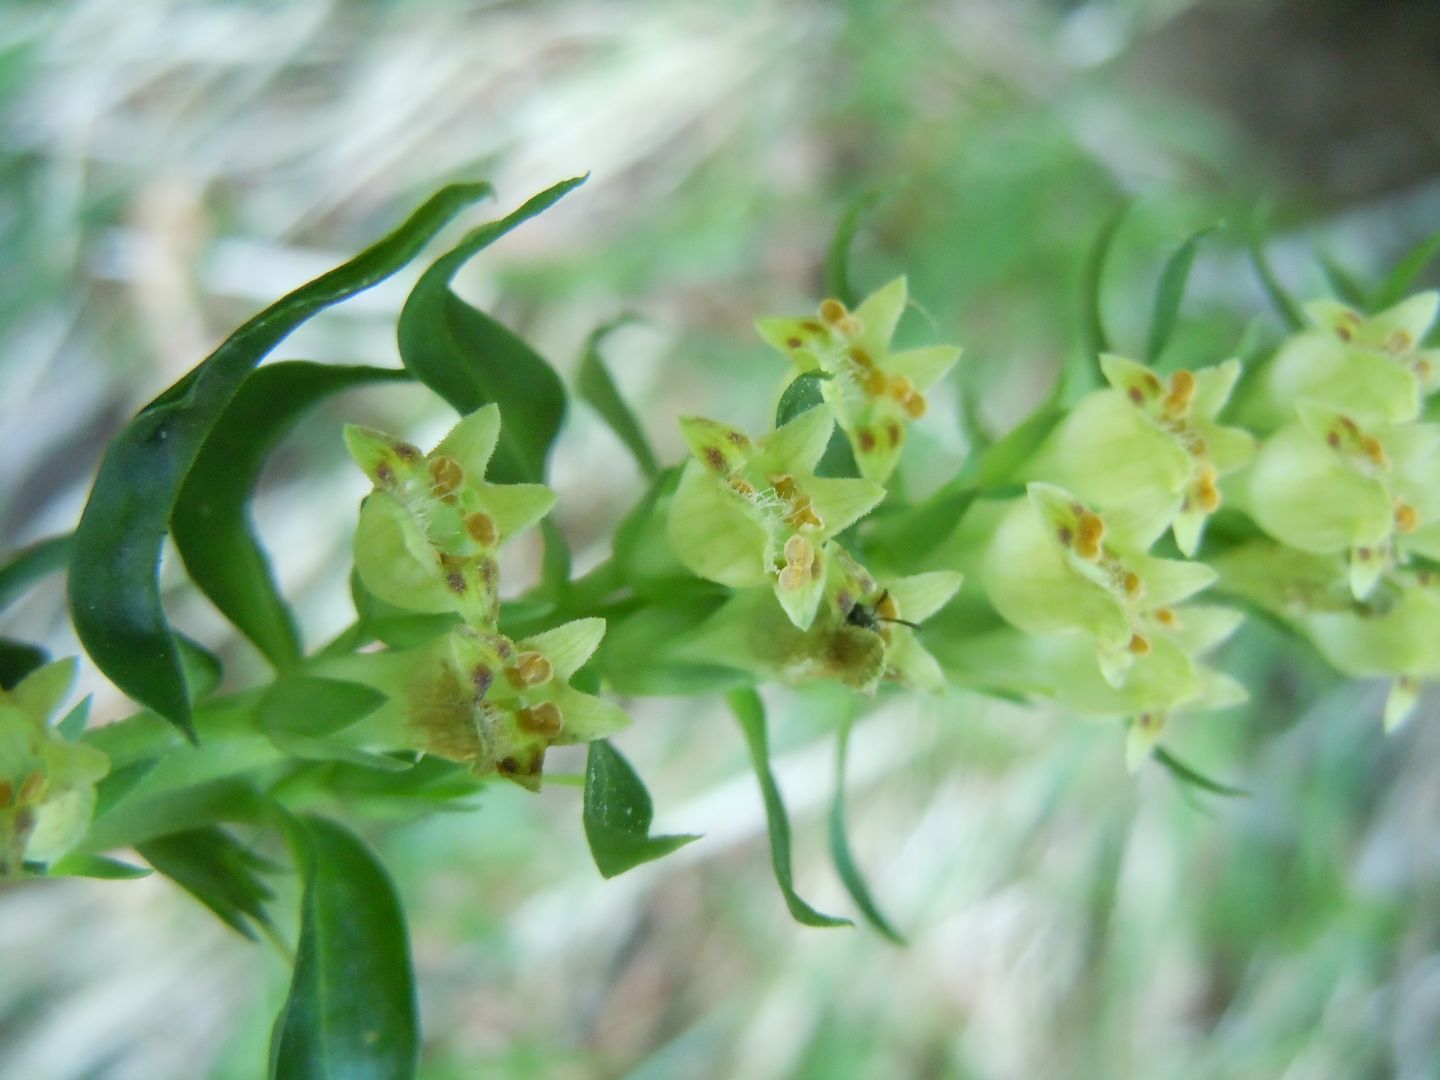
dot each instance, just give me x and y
(618, 813)
(114, 567)
(749, 710)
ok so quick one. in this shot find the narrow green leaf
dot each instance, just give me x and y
(1186, 775)
(618, 813)
(73, 724)
(1393, 289)
(216, 869)
(998, 466)
(750, 711)
(351, 1012)
(470, 360)
(554, 560)
(598, 389)
(211, 523)
(80, 864)
(18, 659)
(1097, 341)
(316, 707)
(1346, 285)
(30, 564)
(301, 712)
(1281, 300)
(845, 865)
(1170, 290)
(837, 258)
(114, 587)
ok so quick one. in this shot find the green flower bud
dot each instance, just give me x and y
(47, 785)
(428, 535)
(872, 391)
(1373, 367)
(747, 514)
(479, 698)
(1149, 439)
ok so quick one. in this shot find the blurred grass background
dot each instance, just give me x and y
(169, 167)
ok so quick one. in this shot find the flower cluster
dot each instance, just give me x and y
(428, 540)
(753, 515)
(1346, 485)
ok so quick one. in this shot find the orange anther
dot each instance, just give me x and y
(446, 475)
(544, 719)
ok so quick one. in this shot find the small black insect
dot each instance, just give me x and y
(868, 618)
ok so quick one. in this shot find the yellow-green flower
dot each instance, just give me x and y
(1052, 565)
(1149, 438)
(47, 785)
(863, 632)
(1372, 367)
(428, 535)
(1328, 484)
(873, 391)
(1166, 681)
(747, 514)
(479, 698)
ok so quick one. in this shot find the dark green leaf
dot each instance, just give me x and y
(750, 711)
(1097, 341)
(470, 360)
(211, 523)
(837, 258)
(216, 869)
(114, 588)
(79, 864)
(351, 1012)
(1281, 300)
(18, 659)
(599, 390)
(30, 564)
(1347, 287)
(618, 814)
(802, 395)
(845, 864)
(1170, 290)
(1393, 289)
(1186, 775)
(203, 670)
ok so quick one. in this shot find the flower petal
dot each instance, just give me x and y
(471, 442)
(921, 595)
(568, 646)
(588, 717)
(798, 445)
(842, 502)
(923, 367)
(515, 507)
(879, 314)
(713, 533)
